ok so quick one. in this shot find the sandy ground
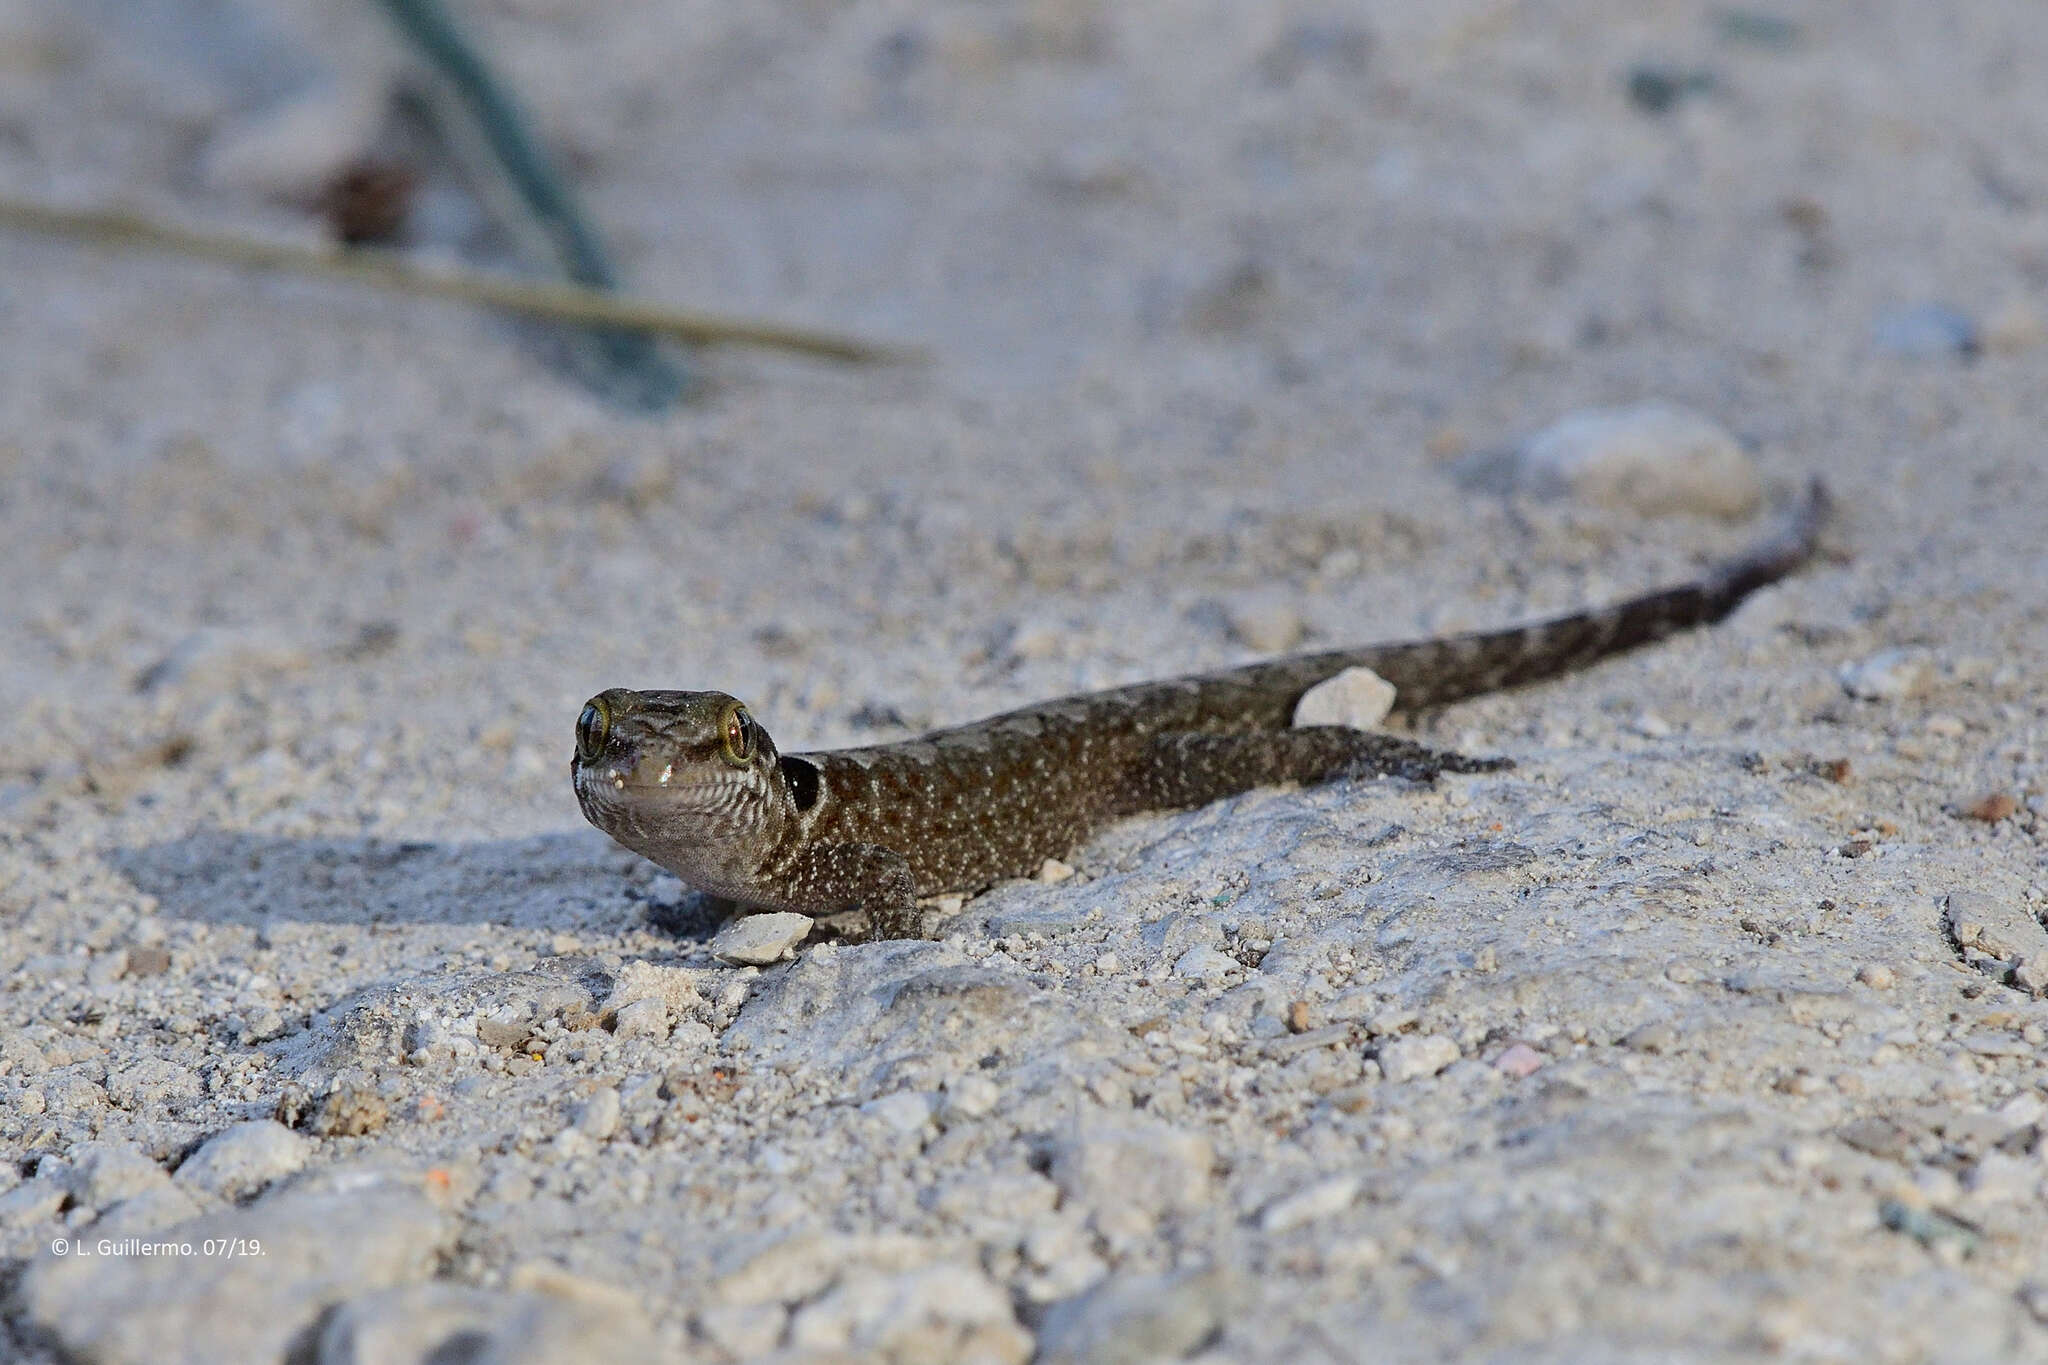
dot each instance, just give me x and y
(1661, 1046)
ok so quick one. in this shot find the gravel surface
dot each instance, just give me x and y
(1712, 1030)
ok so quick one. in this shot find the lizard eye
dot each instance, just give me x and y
(593, 727)
(738, 735)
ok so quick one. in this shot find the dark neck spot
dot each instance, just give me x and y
(802, 777)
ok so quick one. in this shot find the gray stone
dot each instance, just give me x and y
(744, 1331)
(906, 1111)
(1310, 1204)
(681, 989)
(506, 1027)
(967, 1098)
(318, 1246)
(943, 1312)
(428, 1323)
(101, 1174)
(1206, 964)
(32, 1202)
(147, 1212)
(152, 1082)
(847, 1011)
(1134, 1319)
(1995, 926)
(643, 1019)
(237, 1162)
(757, 940)
(1653, 459)
(597, 1118)
(1407, 1059)
(794, 1266)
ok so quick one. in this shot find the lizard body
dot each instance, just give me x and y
(692, 782)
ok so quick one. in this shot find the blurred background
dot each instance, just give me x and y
(1220, 305)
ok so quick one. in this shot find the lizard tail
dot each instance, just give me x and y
(1433, 672)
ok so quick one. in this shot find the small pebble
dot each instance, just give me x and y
(1301, 1016)
(1877, 976)
(1053, 870)
(100, 1174)
(1129, 1319)
(32, 1202)
(643, 1019)
(1890, 675)
(1880, 1137)
(507, 1027)
(906, 1111)
(1310, 1205)
(1655, 1039)
(1650, 725)
(1390, 1020)
(1206, 964)
(1653, 459)
(1407, 1059)
(1519, 1061)
(2009, 932)
(242, 1159)
(968, 1097)
(1357, 697)
(757, 940)
(597, 1118)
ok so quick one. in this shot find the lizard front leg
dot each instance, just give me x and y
(1183, 769)
(827, 879)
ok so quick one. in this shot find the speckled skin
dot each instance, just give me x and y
(874, 828)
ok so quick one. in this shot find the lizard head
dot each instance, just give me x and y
(687, 779)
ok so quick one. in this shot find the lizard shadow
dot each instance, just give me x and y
(556, 881)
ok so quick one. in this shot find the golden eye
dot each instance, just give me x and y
(593, 727)
(738, 734)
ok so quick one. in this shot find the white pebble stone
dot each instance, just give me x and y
(1407, 1059)
(643, 1019)
(1357, 697)
(906, 1111)
(1889, 675)
(1310, 1205)
(1206, 964)
(757, 940)
(1653, 459)
(598, 1117)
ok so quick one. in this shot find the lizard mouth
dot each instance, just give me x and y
(657, 783)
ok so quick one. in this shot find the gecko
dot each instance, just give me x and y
(693, 782)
